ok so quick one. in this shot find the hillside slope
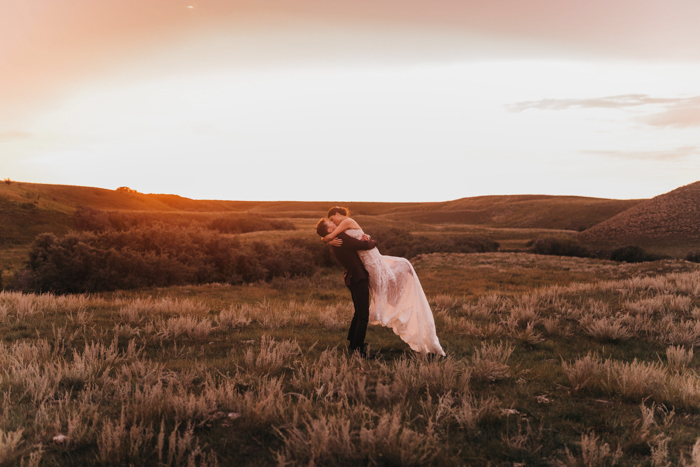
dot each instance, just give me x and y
(522, 211)
(65, 198)
(668, 223)
(30, 208)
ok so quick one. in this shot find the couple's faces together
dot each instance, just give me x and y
(333, 222)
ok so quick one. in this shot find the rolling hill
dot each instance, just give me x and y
(30, 208)
(521, 211)
(668, 224)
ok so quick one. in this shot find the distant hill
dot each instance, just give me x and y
(521, 211)
(668, 223)
(65, 198)
(30, 208)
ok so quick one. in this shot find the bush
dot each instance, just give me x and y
(126, 189)
(559, 246)
(398, 242)
(96, 220)
(155, 256)
(320, 252)
(632, 254)
(248, 223)
(693, 256)
(158, 255)
(87, 218)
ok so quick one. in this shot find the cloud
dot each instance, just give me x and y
(8, 136)
(677, 154)
(610, 102)
(679, 112)
(683, 114)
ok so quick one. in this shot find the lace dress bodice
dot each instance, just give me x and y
(398, 300)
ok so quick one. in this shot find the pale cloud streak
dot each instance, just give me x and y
(680, 112)
(609, 102)
(670, 155)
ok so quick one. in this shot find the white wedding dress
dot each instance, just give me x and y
(398, 300)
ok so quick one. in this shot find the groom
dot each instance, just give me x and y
(345, 249)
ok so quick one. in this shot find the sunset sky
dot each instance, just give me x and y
(377, 100)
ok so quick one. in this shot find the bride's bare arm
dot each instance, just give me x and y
(345, 225)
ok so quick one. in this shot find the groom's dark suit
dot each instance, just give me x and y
(357, 280)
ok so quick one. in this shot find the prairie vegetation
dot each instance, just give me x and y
(577, 362)
(96, 220)
(161, 255)
(214, 334)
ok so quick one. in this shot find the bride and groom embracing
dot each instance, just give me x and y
(397, 299)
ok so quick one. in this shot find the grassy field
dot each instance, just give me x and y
(550, 361)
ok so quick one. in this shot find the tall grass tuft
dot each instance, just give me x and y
(444, 301)
(694, 456)
(466, 412)
(338, 440)
(524, 314)
(119, 445)
(585, 373)
(489, 362)
(608, 329)
(333, 317)
(596, 453)
(678, 357)
(9, 442)
(411, 375)
(233, 317)
(271, 356)
(188, 326)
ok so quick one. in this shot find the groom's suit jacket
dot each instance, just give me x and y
(346, 254)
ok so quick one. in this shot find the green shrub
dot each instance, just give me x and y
(632, 254)
(248, 223)
(559, 246)
(320, 252)
(87, 218)
(154, 256)
(96, 220)
(397, 242)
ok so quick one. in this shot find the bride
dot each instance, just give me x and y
(398, 300)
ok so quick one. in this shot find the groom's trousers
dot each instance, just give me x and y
(358, 327)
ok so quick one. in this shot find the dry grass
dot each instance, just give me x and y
(489, 362)
(443, 301)
(271, 356)
(334, 317)
(175, 378)
(678, 358)
(183, 326)
(339, 440)
(594, 453)
(9, 442)
(608, 330)
(233, 317)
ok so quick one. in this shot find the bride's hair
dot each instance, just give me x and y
(339, 210)
(322, 228)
